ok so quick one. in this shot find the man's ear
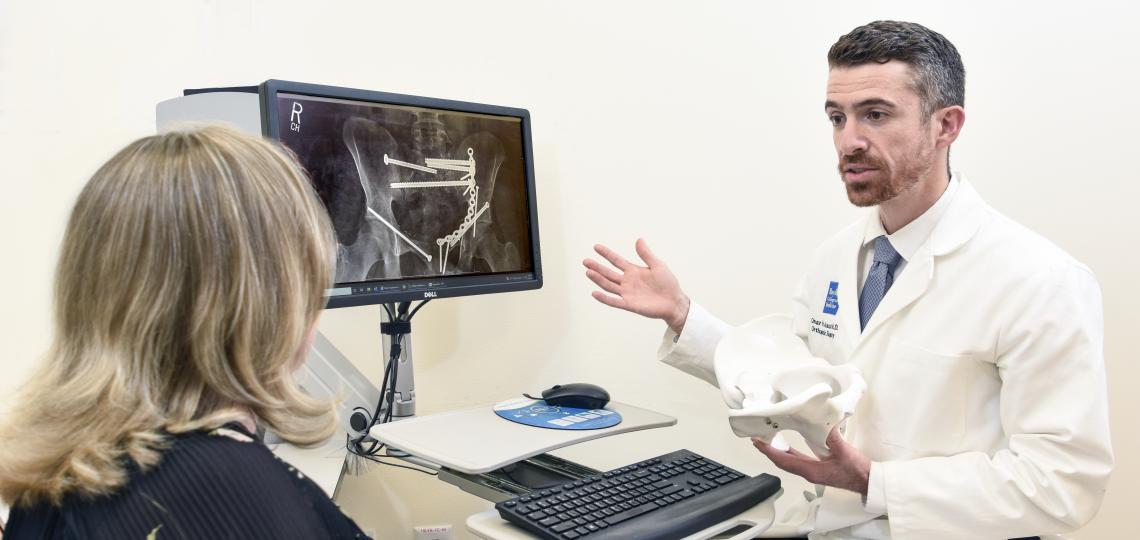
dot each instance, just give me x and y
(949, 123)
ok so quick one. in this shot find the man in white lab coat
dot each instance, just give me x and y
(981, 342)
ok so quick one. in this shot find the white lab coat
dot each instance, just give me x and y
(986, 411)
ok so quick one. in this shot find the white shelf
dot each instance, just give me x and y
(476, 440)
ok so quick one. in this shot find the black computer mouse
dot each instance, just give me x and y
(577, 395)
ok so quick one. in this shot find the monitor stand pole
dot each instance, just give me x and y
(403, 398)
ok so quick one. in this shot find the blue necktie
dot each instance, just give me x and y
(879, 279)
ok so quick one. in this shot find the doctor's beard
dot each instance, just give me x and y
(886, 184)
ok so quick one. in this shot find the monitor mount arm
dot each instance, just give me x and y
(399, 397)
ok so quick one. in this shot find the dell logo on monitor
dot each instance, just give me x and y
(430, 294)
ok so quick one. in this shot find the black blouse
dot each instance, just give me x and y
(218, 484)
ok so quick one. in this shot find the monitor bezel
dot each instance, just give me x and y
(271, 125)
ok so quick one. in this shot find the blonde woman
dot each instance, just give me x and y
(189, 284)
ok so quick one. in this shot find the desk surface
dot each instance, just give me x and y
(758, 518)
(476, 440)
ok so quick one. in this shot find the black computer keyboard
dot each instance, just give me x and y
(669, 496)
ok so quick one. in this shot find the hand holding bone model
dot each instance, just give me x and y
(844, 467)
(651, 290)
(771, 383)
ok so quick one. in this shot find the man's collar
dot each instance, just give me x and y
(908, 239)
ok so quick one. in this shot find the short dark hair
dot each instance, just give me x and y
(939, 76)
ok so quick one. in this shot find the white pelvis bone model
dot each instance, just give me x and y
(771, 383)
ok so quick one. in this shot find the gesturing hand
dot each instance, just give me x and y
(651, 290)
(845, 466)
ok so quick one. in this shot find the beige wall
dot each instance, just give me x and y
(699, 128)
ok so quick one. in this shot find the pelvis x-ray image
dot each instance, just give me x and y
(414, 192)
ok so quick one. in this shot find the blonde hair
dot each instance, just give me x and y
(193, 266)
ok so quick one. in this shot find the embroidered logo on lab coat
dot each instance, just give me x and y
(831, 305)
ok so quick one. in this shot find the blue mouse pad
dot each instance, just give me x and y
(537, 413)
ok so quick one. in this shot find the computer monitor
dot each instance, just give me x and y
(429, 198)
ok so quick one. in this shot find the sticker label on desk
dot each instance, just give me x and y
(537, 413)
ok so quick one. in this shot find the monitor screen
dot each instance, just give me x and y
(428, 198)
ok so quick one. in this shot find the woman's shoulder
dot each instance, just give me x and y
(220, 454)
(210, 484)
(228, 471)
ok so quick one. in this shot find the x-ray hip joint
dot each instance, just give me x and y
(772, 383)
